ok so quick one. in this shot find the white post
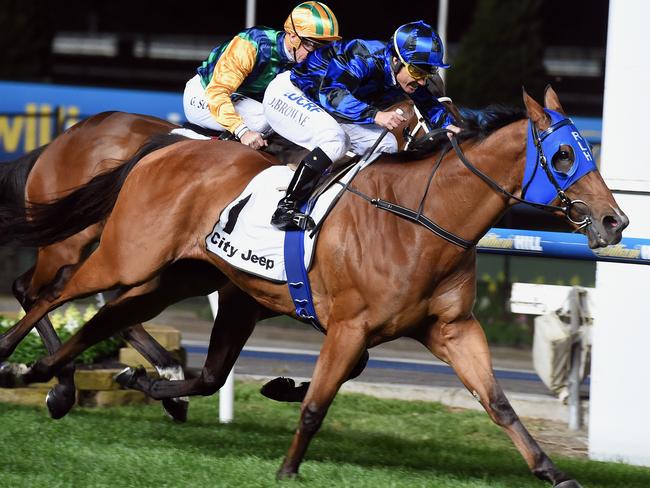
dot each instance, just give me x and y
(443, 8)
(618, 412)
(251, 7)
(227, 391)
(575, 304)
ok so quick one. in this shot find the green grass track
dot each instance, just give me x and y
(364, 442)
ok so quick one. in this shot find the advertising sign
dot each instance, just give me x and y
(31, 113)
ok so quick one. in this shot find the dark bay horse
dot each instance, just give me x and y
(92, 146)
(376, 276)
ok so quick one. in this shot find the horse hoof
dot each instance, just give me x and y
(59, 401)
(11, 375)
(284, 390)
(286, 475)
(128, 376)
(568, 484)
(176, 408)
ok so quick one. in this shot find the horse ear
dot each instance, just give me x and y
(536, 112)
(551, 100)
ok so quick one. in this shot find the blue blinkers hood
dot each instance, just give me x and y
(537, 185)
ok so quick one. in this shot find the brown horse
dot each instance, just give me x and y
(375, 277)
(93, 146)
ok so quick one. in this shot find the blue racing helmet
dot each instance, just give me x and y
(416, 43)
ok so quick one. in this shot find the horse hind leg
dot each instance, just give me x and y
(238, 314)
(165, 363)
(463, 345)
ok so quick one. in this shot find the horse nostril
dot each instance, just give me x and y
(610, 222)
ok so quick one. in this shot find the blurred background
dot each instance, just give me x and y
(494, 46)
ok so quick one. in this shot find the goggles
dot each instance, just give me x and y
(414, 71)
(418, 73)
(310, 45)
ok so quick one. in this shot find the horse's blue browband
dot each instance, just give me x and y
(537, 186)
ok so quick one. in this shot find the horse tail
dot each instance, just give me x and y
(42, 224)
(13, 177)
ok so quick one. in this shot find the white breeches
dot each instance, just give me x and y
(197, 110)
(295, 117)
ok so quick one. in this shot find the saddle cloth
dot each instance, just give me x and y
(189, 133)
(244, 237)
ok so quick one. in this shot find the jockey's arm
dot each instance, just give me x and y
(336, 92)
(234, 66)
(436, 112)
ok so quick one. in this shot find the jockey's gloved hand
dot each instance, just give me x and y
(390, 119)
(253, 139)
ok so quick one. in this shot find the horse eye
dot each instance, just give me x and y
(563, 159)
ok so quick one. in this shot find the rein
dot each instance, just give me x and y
(450, 237)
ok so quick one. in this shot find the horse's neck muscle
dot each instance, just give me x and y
(475, 205)
(458, 200)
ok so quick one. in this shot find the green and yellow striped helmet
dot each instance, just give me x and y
(313, 20)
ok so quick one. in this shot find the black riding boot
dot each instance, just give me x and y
(288, 216)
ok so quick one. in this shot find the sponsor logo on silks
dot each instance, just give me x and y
(288, 111)
(199, 103)
(248, 255)
(303, 102)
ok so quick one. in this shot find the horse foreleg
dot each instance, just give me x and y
(50, 275)
(341, 351)
(238, 314)
(99, 272)
(463, 345)
(61, 397)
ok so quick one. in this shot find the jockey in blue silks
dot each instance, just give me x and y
(332, 102)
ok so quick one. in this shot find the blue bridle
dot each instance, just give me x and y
(544, 186)
(561, 139)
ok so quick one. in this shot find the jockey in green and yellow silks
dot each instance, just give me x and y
(227, 91)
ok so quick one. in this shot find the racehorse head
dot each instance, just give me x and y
(561, 170)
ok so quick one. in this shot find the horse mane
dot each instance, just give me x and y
(477, 124)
